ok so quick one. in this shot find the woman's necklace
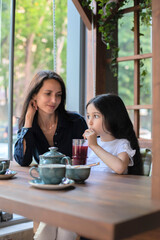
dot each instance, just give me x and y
(51, 127)
(48, 129)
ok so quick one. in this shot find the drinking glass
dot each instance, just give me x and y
(79, 151)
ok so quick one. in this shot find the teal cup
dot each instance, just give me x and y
(4, 165)
(78, 174)
(49, 173)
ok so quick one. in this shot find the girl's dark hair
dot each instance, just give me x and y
(34, 87)
(117, 121)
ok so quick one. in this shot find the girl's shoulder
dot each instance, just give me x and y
(119, 145)
(122, 141)
(114, 142)
(122, 144)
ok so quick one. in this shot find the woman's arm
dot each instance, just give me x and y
(23, 149)
(24, 158)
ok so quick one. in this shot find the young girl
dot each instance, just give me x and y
(117, 147)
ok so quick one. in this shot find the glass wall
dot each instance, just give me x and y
(33, 51)
(34, 43)
(4, 75)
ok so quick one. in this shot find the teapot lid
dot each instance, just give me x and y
(53, 153)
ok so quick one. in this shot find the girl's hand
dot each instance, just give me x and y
(91, 136)
(32, 108)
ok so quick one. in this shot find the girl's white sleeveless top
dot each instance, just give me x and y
(114, 147)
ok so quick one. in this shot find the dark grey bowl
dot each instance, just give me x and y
(79, 174)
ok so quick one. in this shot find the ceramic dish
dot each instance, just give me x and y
(39, 184)
(78, 173)
(9, 174)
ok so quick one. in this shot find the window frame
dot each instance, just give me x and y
(136, 107)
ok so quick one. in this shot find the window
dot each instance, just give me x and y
(34, 43)
(33, 51)
(5, 23)
(134, 70)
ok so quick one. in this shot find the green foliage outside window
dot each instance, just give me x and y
(34, 41)
(109, 12)
(33, 49)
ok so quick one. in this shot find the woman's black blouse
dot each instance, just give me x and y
(69, 127)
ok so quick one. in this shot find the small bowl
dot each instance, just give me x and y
(4, 165)
(78, 174)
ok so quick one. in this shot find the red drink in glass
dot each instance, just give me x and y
(79, 152)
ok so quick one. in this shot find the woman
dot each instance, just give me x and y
(44, 122)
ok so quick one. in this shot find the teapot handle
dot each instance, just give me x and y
(66, 160)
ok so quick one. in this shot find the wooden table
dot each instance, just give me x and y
(107, 206)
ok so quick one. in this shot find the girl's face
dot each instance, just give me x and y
(95, 120)
(49, 96)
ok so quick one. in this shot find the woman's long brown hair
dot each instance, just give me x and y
(34, 87)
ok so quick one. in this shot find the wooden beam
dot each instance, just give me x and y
(156, 99)
(136, 70)
(131, 9)
(145, 143)
(133, 107)
(135, 57)
(85, 14)
(91, 49)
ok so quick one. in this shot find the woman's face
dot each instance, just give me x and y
(95, 120)
(49, 96)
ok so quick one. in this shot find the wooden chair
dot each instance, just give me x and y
(146, 155)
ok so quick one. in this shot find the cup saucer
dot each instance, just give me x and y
(38, 183)
(9, 174)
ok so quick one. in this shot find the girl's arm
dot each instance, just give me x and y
(117, 163)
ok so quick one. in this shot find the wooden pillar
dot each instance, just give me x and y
(96, 62)
(101, 69)
(91, 66)
(136, 68)
(156, 99)
(99, 78)
(104, 81)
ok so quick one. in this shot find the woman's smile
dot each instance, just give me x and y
(53, 107)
